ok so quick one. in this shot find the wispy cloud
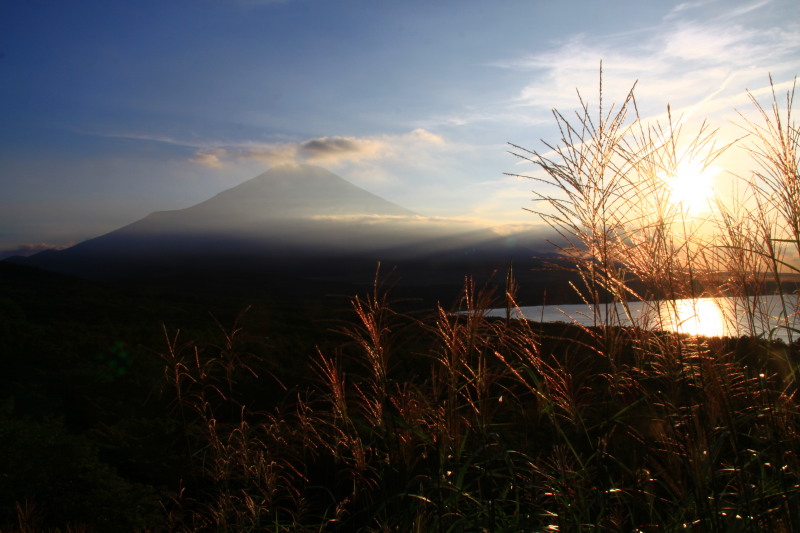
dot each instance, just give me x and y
(409, 219)
(683, 7)
(268, 153)
(30, 249)
(336, 149)
(685, 61)
(747, 8)
(136, 136)
(461, 223)
(211, 157)
(330, 151)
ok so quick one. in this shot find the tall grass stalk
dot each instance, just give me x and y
(775, 145)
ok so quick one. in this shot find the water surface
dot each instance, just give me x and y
(762, 316)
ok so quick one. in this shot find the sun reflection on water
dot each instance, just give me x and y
(769, 316)
(702, 316)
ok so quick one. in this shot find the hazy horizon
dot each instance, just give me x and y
(114, 110)
(302, 207)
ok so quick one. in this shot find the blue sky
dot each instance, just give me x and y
(114, 109)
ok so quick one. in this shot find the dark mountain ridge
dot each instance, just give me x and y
(292, 224)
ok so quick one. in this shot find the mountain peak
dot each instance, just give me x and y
(298, 191)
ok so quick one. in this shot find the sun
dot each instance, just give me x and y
(691, 187)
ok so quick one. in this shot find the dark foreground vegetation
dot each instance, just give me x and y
(397, 422)
(126, 410)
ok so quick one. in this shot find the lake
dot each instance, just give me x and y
(713, 317)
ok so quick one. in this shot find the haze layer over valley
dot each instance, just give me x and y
(298, 221)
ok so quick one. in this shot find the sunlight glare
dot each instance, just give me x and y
(702, 316)
(691, 186)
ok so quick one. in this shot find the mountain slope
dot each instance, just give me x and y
(298, 221)
(298, 191)
(286, 192)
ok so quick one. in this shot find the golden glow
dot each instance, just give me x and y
(691, 186)
(703, 316)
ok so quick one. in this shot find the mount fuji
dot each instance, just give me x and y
(293, 220)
